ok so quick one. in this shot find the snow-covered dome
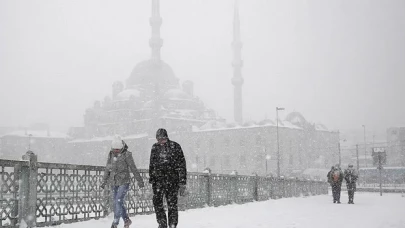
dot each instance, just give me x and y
(297, 119)
(176, 94)
(150, 72)
(126, 94)
(266, 122)
(321, 127)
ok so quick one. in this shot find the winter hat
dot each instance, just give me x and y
(117, 142)
(161, 134)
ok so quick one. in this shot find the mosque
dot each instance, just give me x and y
(153, 98)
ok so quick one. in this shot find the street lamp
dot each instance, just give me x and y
(278, 144)
(268, 157)
(340, 153)
(365, 147)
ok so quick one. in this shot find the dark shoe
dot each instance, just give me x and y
(338, 202)
(127, 222)
(334, 201)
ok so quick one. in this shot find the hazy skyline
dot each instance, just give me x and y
(338, 63)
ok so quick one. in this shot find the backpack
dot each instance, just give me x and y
(335, 176)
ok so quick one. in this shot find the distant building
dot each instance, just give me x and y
(153, 98)
(396, 146)
(48, 145)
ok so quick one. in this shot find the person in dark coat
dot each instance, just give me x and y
(336, 179)
(351, 178)
(168, 176)
(328, 175)
(117, 172)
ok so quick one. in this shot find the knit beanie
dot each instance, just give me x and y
(117, 142)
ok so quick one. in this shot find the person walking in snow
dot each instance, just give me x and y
(168, 176)
(328, 175)
(117, 172)
(351, 178)
(336, 179)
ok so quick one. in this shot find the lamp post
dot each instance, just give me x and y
(340, 153)
(268, 157)
(278, 144)
(365, 147)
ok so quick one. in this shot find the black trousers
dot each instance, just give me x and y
(351, 188)
(169, 191)
(336, 188)
(351, 195)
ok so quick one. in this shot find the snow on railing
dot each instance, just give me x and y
(52, 193)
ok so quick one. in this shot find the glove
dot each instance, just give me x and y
(182, 190)
(102, 186)
(141, 184)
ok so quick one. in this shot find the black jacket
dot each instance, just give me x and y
(351, 178)
(167, 164)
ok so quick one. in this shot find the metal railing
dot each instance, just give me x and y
(44, 194)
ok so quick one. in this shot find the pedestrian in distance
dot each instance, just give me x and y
(168, 176)
(117, 173)
(336, 179)
(351, 177)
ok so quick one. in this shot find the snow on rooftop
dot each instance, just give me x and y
(218, 126)
(109, 138)
(321, 127)
(36, 134)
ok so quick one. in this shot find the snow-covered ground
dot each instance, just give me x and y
(370, 211)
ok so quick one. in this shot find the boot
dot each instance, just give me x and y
(127, 222)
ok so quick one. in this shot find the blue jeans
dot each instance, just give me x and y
(119, 205)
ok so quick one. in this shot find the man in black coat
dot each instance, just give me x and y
(168, 176)
(351, 178)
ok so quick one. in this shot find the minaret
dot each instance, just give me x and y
(237, 64)
(155, 21)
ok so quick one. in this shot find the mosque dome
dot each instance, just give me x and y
(150, 72)
(127, 94)
(177, 94)
(297, 119)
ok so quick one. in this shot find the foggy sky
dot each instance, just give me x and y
(340, 63)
